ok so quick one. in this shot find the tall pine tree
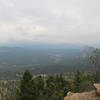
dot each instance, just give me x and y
(27, 87)
(78, 81)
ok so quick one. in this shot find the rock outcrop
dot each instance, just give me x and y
(82, 96)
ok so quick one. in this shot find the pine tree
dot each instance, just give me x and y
(95, 60)
(78, 81)
(27, 87)
(39, 83)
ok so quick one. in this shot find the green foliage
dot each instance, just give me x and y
(43, 88)
(78, 81)
(39, 84)
(8, 89)
(27, 88)
(50, 87)
(55, 87)
(95, 60)
(83, 81)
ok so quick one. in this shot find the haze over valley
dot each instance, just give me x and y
(43, 58)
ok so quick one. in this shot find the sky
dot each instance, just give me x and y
(50, 21)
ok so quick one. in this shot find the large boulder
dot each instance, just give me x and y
(81, 96)
(97, 87)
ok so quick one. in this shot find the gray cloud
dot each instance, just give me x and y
(69, 21)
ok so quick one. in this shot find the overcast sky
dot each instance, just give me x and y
(68, 21)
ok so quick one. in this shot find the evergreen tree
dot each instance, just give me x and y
(55, 87)
(95, 60)
(27, 87)
(50, 87)
(77, 81)
(39, 83)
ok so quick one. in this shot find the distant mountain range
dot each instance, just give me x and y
(42, 54)
(44, 58)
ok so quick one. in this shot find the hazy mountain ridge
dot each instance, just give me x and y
(44, 59)
(38, 55)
